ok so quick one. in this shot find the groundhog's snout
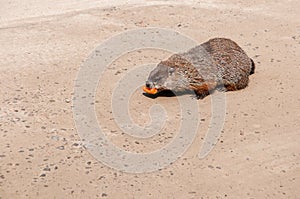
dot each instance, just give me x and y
(149, 84)
(149, 88)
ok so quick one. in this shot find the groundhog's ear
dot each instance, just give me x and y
(171, 70)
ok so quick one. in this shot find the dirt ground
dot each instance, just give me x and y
(43, 46)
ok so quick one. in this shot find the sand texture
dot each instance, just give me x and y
(43, 45)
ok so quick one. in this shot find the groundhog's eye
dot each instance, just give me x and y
(171, 70)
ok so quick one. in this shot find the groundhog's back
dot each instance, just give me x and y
(231, 60)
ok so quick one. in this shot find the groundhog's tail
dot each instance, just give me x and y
(252, 67)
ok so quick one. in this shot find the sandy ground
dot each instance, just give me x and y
(42, 48)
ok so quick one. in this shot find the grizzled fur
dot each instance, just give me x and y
(217, 63)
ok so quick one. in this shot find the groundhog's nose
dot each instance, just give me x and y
(149, 84)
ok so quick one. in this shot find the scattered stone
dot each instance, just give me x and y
(118, 72)
(53, 130)
(75, 144)
(61, 147)
(46, 169)
(56, 138)
(67, 100)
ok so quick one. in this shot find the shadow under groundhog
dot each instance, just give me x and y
(169, 93)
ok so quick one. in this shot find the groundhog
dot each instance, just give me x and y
(216, 64)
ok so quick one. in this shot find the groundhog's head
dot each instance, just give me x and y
(171, 74)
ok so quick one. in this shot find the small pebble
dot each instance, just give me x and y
(46, 169)
(53, 130)
(56, 138)
(67, 100)
(61, 147)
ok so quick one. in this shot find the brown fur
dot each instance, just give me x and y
(217, 63)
